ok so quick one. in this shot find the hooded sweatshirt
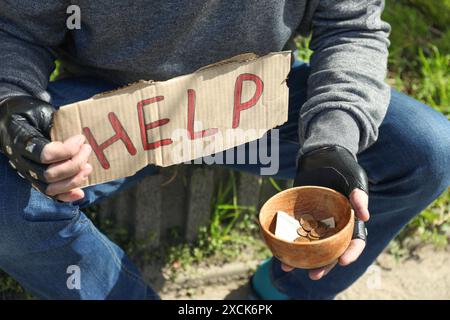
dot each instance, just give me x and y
(126, 41)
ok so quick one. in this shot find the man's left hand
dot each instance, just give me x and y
(336, 168)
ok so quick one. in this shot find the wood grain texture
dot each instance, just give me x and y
(319, 202)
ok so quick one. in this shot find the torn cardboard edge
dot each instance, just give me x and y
(180, 119)
(244, 57)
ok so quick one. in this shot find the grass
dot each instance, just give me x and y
(419, 56)
(432, 225)
(433, 86)
(233, 229)
(419, 65)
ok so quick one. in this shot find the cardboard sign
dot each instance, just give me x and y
(181, 119)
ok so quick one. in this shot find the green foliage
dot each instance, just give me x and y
(410, 32)
(231, 229)
(55, 72)
(436, 12)
(443, 41)
(275, 184)
(419, 52)
(432, 225)
(419, 65)
(11, 289)
(434, 86)
(303, 51)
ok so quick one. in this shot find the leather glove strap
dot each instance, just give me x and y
(360, 230)
(334, 168)
(331, 167)
(25, 124)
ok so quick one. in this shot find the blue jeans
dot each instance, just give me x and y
(408, 167)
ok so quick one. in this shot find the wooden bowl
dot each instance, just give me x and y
(319, 202)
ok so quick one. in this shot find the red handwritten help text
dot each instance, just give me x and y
(122, 135)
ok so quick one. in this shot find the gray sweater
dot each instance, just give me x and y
(125, 41)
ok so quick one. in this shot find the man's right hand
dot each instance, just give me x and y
(57, 169)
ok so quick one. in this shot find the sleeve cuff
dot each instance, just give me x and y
(331, 128)
(8, 90)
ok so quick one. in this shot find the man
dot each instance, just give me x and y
(340, 128)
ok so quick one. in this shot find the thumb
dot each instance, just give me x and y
(360, 203)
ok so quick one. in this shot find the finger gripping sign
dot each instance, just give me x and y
(181, 119)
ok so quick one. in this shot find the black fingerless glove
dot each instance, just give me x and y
(334, 168)
(25, 124)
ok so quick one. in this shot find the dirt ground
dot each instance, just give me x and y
(424, 275)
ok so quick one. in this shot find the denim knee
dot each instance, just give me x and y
(422, 136)
(31, 222)
(433, 161)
